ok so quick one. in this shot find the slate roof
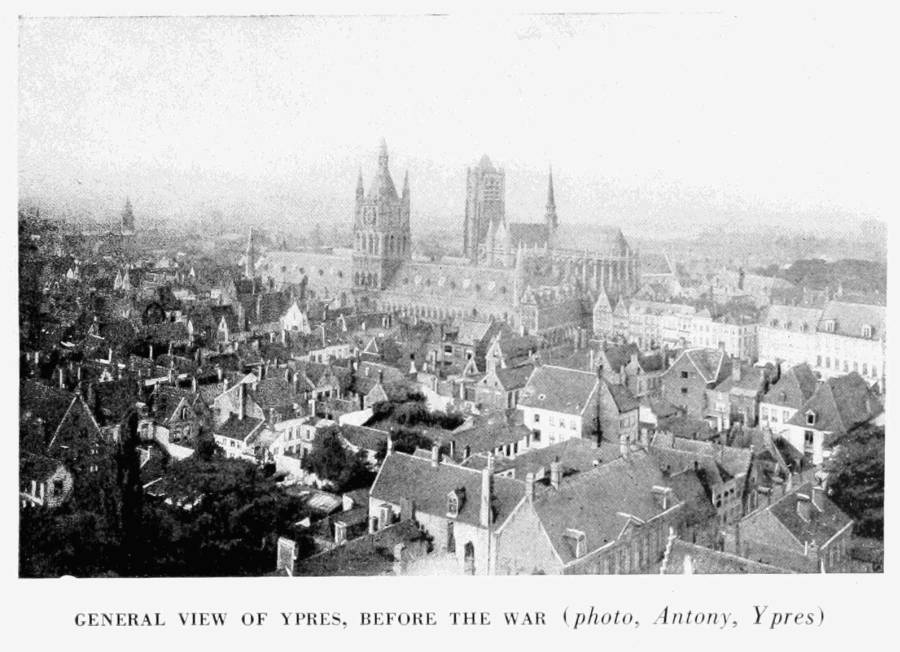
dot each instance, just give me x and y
(596, 501)
(575, 455)
(487, 434)
(793, 318)
(363, 437)
(239, 429)
(850, 318)
(529, 234)
(623, 398)
(559, 389)
(752, 379)
(822, 525)
(705, 561)
(274, 392)
(165, 399)
(514, 377)
(679, 451)
(413, 478)
(472, 331)
(36, 467)
(710, 363)
(45, 402)
(592, 238)
(840, 405)
(794, 387)
(371, 554)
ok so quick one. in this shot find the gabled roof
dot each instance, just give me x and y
(274, 392)
(752, 379)
(840, 404)
(559, 389)
(413, 478)
(794, 387)
(514, 377)
(682, 557)
(792, 318)
(363, 437)
(239, 429)
(709, 363)
(823, 523)
(600, 502)
(622, 397)
(680, 453)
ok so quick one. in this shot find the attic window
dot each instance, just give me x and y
(810, 418)
(579, 539)
(867, 330)
(541, 397)
(829, 325)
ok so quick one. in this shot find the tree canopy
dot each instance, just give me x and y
(856, 479)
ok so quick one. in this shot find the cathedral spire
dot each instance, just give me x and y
(406, 184)
(383, 154)
(360, 191)
(550, 214)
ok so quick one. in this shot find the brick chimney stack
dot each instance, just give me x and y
(487, 489)
(555, 473)
(435, 455)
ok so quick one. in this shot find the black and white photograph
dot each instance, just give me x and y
(447, 294)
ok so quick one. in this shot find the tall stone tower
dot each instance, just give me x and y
(485, 205)
(250, 257)
(381, 235)
(127, 218)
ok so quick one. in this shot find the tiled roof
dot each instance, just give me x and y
(794, 387)
(36, 467)
(792, 318)
(413, 478)
(822, 525)
(752, 379)
(274, 392)
(42, 401)
(559, 389)
(239, 429)
(371, 554)
(592, 238)
(710, 363)
(363, 437)
(678, 450)
(623, 398)
(840, 404)
(514, 377)
(596, 501)
(705, 561)
(528, 234)
(487, 434)
(575, 455)
(849, 318)
(472, 331)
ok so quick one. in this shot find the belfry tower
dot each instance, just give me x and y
(381, 234)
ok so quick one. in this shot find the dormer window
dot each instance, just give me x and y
(455, 501)
(829, 325)
(867, 331)
(774, 323)
(810, 418)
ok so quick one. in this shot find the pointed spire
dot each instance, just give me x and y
(406, 184)
(550, 214)
(383, 154)
(360, 191)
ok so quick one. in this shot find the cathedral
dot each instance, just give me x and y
(540, 277)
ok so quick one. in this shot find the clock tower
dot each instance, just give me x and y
(381, 236)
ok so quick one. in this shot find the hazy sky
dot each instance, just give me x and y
(648, 120)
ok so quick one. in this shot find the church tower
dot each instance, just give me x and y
(250, 257)
(550, 213)
(127, 218)
(485, 206)
(381, 234)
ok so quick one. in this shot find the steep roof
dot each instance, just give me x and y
(559, 389)
(592, 238)
(239, 429)
(682, 557)
(849, 318)
(363, 437)
(514, 377)
(622, 397)
(794, 387)
(840, 404)
(724, 461)
(600, 502)
(709, 363)
(413, 478)
(823, 523)
(528, 234)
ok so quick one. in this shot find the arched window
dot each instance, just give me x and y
(469, 556)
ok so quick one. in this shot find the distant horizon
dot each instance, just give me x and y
(268, 121)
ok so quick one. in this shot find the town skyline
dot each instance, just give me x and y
(645, 143)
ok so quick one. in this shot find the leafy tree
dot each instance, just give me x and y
(331, 460)
(856, 479)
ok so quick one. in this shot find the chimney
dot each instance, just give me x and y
(453, 449)
(804, 505)
(151, 352)
(624, 447)
(373, 524)
(435, 455)
(818, 497)
(555, 473)
(386, 515)
(62, 381)
(312, 407)
(591, 360)
(194, 384)
(219, 372)
(487, 484)
(662, 495)
(390, 444)
(271, 416)
(340, 530)
(467, 452)
(735, 370)
(241, 401)
(529, 486)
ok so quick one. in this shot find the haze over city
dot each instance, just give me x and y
(269, 120)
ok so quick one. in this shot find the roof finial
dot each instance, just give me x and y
(383, 153)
